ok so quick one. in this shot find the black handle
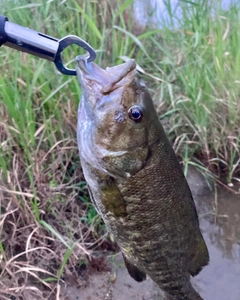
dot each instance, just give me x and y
(3, 35)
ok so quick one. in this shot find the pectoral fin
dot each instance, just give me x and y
(133, 271)
(112, 198)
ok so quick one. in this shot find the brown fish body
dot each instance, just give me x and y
(135, 180)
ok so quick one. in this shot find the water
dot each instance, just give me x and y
(221, 231)
(220, 280)
(157, 12)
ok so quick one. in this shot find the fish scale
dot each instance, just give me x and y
(135, 180)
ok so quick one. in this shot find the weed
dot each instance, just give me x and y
(203, 95)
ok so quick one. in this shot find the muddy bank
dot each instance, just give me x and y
(220, 223)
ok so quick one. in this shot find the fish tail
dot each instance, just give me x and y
(191, 294)
(178, 292)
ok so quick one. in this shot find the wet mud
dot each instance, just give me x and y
(219, 216)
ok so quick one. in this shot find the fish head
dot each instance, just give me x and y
(122, 121)
(119, 105)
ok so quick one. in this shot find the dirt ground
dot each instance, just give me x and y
(116, 284)
(219, 280)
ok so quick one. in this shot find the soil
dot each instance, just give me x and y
(220, 224)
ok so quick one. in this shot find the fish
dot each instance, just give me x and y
(135, 181)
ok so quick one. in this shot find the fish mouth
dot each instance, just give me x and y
(109, 79)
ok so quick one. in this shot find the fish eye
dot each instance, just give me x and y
(135, 113)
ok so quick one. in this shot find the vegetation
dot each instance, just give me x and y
(192, 67)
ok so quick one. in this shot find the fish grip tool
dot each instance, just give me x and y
(41, 45)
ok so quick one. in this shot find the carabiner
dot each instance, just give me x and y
(64, 43)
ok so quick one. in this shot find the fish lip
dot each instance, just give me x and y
(109, 79)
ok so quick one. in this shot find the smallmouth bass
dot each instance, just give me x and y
(135, 181)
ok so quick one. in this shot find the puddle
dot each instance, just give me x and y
(219, 280)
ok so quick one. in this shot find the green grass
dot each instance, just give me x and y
(201, 60)
(192, 72)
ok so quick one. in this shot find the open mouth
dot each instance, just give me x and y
(109, 79)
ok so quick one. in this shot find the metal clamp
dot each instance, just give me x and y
(64, 43)
(40, 45)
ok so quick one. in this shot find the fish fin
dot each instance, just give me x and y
(133, 271)
(200, 256)
(112, 198)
